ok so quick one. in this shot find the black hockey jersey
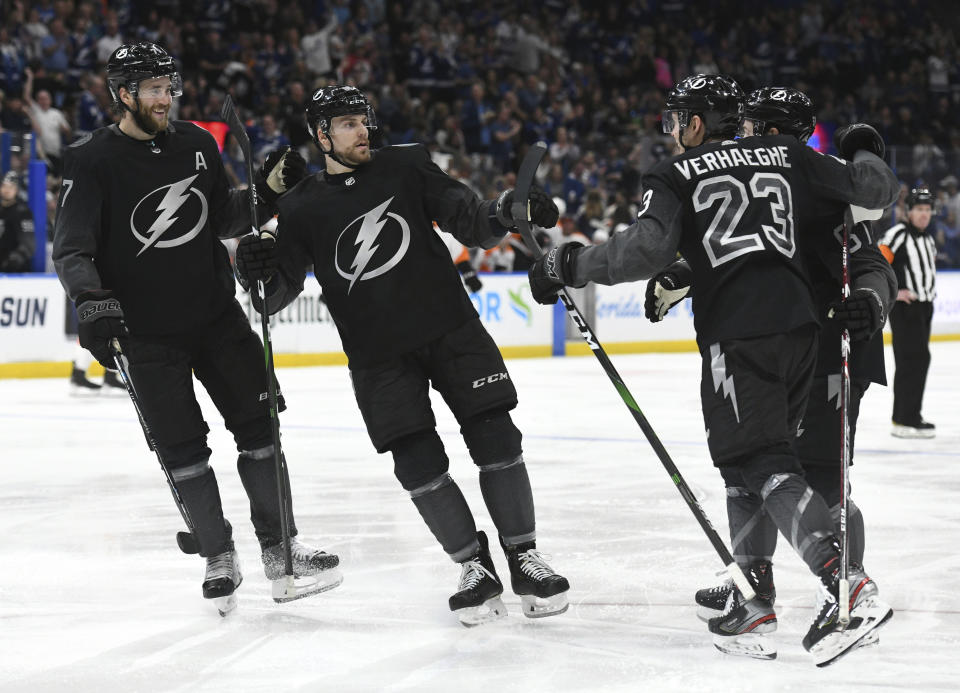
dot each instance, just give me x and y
(738, 212)
(144, 221)
(386, 275)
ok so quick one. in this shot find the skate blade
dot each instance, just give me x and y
(80, 391)
(226, 605)
(756, 645)
(491, 610)
(912, 433)
(865, 619)
(871, 639)
(541, 607)
(289, 588)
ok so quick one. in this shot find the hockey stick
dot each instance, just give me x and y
(229, 114)
(843, 618)
(187, 541)
(519, 212)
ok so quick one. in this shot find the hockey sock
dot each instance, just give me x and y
(258, 474)
(197, 486)
(802, 517)
(442, 506)
(753, 535)
(825, 480)
(509, 500)
(856, 535)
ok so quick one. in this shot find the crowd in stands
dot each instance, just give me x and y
(478, 82)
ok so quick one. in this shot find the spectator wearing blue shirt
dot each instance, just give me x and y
(475, 118)
(504, 131)
(267, 138)
(57, 48)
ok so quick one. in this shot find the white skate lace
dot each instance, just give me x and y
(220, 566)
(471, 573)
(725, 586)
(302, 552)
(824, 598)
(534, 564)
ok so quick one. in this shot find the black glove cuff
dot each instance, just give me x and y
(875, 301)
(559, 263)
(265, 194)
(502, 209)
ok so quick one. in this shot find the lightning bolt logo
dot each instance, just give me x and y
(371, 226)
(833, 388)
(718, 367)
(173, 199)
(366, 239)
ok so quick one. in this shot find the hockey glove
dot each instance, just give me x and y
(100, 321)
(541, 209)
(282, 169)
(666, 289)
(256, 258)
(552, 272)
(469, 276)
(852, 138)
(861, 314)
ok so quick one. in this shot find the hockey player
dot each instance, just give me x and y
(787, 111)
(406, 324)
(136, 246)
(738, 212)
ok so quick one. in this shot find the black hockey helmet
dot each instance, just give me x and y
(785, 108)
(717, 99)
(919, 196)
(336, 100)
(132, 63)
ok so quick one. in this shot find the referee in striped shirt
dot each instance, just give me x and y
(912, 252)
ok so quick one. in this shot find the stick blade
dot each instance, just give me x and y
(229, 114)
(521, 193)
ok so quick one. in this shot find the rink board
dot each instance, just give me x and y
(37, 323)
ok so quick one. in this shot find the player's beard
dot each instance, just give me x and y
(355, 157)
(147, 120)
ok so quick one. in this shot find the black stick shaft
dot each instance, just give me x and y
(229, 114)
(188, 544)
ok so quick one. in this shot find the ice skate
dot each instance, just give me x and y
(221, 580)
(80, 385)
(112, 384)
(743, 627)
(542, 591)
(711, 601)
(478, 593)
(314, 571)
(826, 640)
(918, 429)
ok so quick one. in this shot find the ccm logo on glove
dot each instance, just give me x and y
(496, 377)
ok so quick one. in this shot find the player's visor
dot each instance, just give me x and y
(671, 119)
(750, 127)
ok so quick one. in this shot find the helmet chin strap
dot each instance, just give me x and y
(332, 154)
(336, 158)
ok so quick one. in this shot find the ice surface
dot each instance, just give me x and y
(95, 596)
